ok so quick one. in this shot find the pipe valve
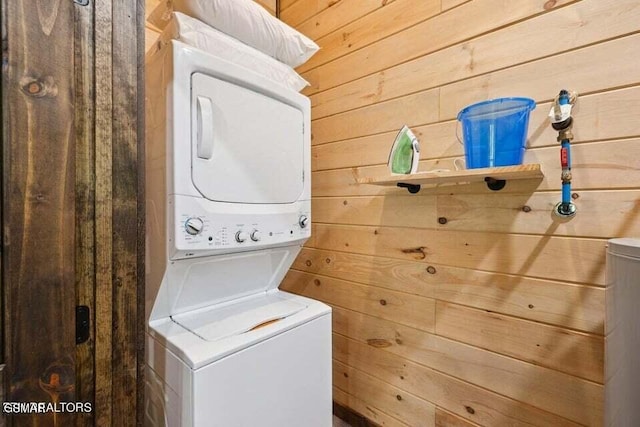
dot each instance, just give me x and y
(562, 121)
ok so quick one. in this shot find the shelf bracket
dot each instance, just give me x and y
(495, 184)
(412, 188)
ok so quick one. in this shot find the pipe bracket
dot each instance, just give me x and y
(412, 188)
(495, 184)
(565, 210)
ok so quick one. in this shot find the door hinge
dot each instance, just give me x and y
(83, 323)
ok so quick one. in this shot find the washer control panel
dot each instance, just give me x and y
(199, 233)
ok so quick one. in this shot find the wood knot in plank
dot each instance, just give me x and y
(57, 379)
(471, 50)
(355, 174)
(420, 251)
(39, 87)
(378, 343)
(550, 4)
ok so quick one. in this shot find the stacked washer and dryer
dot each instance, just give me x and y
(228, 209)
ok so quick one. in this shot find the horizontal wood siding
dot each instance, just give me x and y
(471, 307)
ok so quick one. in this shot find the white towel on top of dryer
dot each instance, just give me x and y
(246, 21)
(197, 34)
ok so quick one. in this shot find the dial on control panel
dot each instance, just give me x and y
(193, 226)
(241, 236)
(303, 221)
(256, 235)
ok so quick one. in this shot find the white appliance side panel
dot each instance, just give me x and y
(622, 334)
(246, 147)
(162, 405)
(281, 382)
(158, 81)
(168, 388)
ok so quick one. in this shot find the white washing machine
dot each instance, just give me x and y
(228, 209)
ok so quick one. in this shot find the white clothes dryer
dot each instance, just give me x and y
(228, 209)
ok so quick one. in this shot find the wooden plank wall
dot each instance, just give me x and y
(152, 32)
(72, 207)
(109, 209)
(38, 206)
(460, 306)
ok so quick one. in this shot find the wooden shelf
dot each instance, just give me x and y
(494, 177)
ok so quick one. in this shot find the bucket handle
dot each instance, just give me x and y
(455, 164)
(457, 133)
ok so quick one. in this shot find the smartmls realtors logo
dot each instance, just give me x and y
(45, 407)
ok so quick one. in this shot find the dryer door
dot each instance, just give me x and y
(245, 146)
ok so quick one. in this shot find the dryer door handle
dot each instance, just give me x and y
(205, 128)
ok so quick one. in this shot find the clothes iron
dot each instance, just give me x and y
(405, 153)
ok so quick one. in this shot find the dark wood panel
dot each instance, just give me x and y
(73, 229)
(85, 199)
(39, 205)
(140, 301)
(125, 189)
(103, 210)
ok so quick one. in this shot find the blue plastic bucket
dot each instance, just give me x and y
(495, 131)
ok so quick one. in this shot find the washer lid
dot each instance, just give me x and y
(626, 246)
(246, 147)
(218, 323)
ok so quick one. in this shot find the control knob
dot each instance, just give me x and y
(193, 226)
(303, 221)
(256, 235)
(241, 236)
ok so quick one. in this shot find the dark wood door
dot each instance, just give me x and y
(72, 225)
